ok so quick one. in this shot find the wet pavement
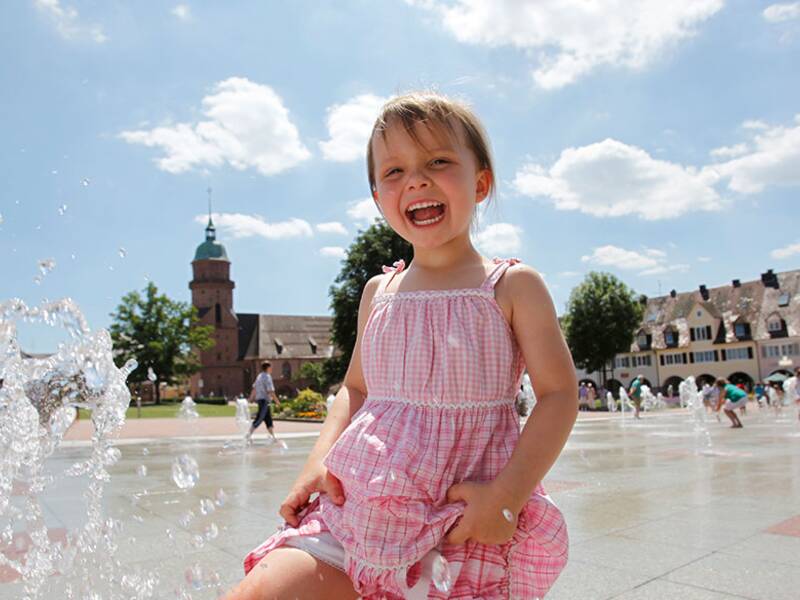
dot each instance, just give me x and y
(649, 517)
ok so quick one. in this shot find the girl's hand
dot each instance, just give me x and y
(483, 519)
(314, 478)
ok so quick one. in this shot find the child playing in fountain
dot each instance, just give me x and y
(730, 398)
(427, 488)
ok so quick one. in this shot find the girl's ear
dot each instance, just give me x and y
(377, 203)
(482, 185)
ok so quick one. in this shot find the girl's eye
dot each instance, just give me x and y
(439, 161)
(391, 172)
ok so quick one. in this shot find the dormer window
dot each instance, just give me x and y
(313, 343)
(701, 333)
(641, 340)
(278, 346)
(784, 298)
(670, 338)
(774, 324)
(741, 330)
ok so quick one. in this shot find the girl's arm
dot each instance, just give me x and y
(535, 325)
(314, 477)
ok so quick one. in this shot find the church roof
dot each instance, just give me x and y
(284, 336)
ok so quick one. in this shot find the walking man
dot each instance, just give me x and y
(263, 391)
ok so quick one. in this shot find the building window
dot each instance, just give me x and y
(641, 341)
(774, 324)
(771, 351)
(642, 361)
(278, 346)
(674, 359)
(623, 362)
(313, 343)
(789, 349)
(701, 333)
(784, 298)
(704, 356)
(670, 339)
(737, 354)
(741, 330)
(217, 313)
(286, 370)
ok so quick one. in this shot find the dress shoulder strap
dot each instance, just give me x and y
(501, 265)
(397, 267)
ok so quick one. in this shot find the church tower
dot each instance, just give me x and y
(212, 294)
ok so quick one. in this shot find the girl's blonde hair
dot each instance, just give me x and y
(432, 109)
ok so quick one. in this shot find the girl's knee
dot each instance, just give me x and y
(290, 573)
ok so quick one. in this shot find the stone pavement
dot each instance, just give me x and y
(648, 517)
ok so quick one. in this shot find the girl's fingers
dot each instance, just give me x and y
(333, 487)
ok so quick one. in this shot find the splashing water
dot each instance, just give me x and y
(151, 375)
(62, 210)
(185, 472)
(188, 409)
(122, 252)
(38, 402)
(691, 397)
(610, 402)
(46, 265)
(441, 575)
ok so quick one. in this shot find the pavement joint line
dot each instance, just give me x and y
(199, 438)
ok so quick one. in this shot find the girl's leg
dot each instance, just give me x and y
(732, 416)
(287, 573)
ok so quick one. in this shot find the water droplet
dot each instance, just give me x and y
(141, 470)
(508, 515)
(441, 576)
(38, 279)
(145, 451)
(138, 518)
(211, 531)
(72, 256)
(122, 252)
(198, 541)
(111, 456)
(194, 576)
(170, 533)
(62, 209)
(185, 472)
(221, 497)
(54, 172)
(1, 218)
(186, 519)
(151, 375)
(46, 265)
(85, 182)
(207, 506)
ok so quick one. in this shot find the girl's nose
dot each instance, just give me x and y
(417, 180)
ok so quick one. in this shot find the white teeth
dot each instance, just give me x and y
(419, 205)
(429, 221)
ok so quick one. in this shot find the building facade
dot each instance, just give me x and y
(744, 332)
(244, 340)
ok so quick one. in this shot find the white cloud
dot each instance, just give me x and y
(364, 212)
(182, 12)
(237, 225)
(773, 160)
(333, 251)
(703, 259)
(570, 274)
(754, 124)
(247, 127)
(729, 151)
(611, 179)
(649, 262)
(499, 239)
(67, 22)
(777, 13)
(349, 126)
(331, 227)
(786, 251)
(571, 39)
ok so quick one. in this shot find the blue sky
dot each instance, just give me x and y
(659, 143)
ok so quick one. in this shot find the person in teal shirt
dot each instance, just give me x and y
(636, 394)
(733, 398)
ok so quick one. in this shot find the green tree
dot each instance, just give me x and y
(313, 375)
(374, 247)
(602, 317)
(160, 334)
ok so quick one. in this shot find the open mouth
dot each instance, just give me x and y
(425, 213)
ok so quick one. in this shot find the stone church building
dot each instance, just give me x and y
(244, 340)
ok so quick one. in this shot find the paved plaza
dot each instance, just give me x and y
(649, 518)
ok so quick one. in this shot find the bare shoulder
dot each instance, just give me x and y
(521, 287)
(371, 287)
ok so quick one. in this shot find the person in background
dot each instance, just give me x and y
(636, 395)
(263, 391)
(731, 398)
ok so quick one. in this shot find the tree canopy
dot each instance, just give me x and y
(161, 334)
(374, 247)
(602, 316)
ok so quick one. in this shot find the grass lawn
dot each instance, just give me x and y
(168, 411)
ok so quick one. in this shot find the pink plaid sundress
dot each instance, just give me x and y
(442, 368)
